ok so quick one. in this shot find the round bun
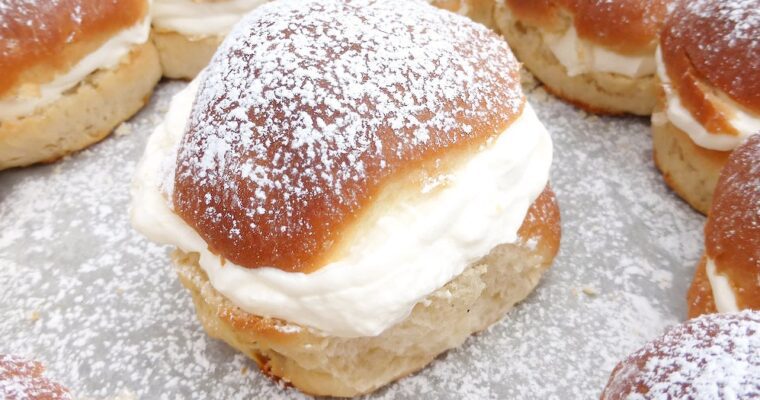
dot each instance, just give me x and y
(335, 366)
(732, 232)
(709, 53)
(625, 27)
(22, 379)
(709, 49)
(711, 357)
(33, 56)
(358, 116)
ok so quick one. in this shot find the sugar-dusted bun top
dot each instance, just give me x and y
(732, 233)
(712, 357)
(708, 45)
(22, 379)
(310, 108)
(41, 38)
(625, 26)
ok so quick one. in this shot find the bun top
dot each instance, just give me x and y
(710, 46)
(712, 357)
(22, 379)
(732, 232)
(624, 26)
(310, 108)
(41, 38)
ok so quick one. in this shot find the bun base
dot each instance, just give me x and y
(336, 366)
(84, 114)
(596, 92)
(183, 57)
(688, 169)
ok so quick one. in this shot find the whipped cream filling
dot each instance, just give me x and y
(723, 292)
(412, 251)
(195, 19)
(745, 123)
(107, 56)
(580, 56)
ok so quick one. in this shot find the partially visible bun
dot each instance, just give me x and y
(709, 93)
(70, 72)
(711, 357)
(84, 115)
(732, 237)
(620, 28)
(183, 57)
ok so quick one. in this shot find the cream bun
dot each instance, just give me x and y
(478, 10)
(728, 276)
(712, 357)
(69, 73)
(708, 68)
(23, 379)
(597, 54)
(187, 32)
(353, 187)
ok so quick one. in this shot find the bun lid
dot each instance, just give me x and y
(310, 108)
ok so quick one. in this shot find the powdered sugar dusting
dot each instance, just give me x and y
(712, 357)
(309, 105)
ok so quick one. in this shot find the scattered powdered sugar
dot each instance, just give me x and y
(308, 105)
(712, 357)
(101, 307)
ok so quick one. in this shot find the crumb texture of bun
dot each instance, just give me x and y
(625, 26)
(310, 107)
(334, 366)
(40, 38)
(22, 379)
(714, 46)
(732, 232)
(712, 357)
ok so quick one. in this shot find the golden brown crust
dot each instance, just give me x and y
(699, 298)
(333, 366)
(710, 53)
(40, 39)
(624, 26)
(732, 232)
(314, 161)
